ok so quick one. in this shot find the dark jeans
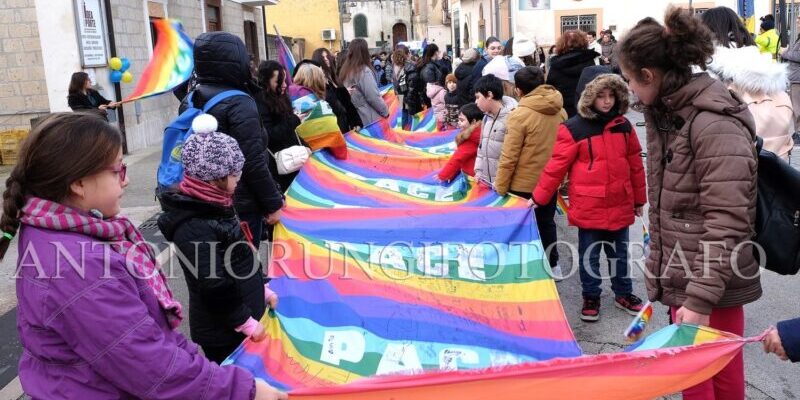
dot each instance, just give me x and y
(218, 354)
(615, 245)
(256, 223)
(547, 226)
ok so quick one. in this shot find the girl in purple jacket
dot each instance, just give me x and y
(96, 317)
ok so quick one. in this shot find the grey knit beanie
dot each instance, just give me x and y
(209, 155)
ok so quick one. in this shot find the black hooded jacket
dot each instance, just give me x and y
(222, 294)
(465, 82)
(565, 71)
(222, 63)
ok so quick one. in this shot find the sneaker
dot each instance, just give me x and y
(630, 304)
(557, 274)
(591, 309)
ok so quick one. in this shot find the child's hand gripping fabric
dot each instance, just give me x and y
(270, 297)
(253, 329)
(773, 344)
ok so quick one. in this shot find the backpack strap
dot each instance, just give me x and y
(219, 97)
(189, 99)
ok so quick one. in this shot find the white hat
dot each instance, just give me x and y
(523, 46)
(497, 67)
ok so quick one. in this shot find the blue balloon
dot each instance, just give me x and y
(115, 76)
(125, 65)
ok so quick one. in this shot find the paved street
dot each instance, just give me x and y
(767, 377)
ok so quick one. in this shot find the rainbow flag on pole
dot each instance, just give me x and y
(285, 56)
(172, 62)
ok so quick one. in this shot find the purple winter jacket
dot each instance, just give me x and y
(103, 336)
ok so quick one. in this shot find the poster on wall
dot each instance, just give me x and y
(525, 5)
(91, 33)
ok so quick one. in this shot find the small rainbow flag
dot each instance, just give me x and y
(561, 205)
(636, 329)
(172, 62)
(285, 56)
(320, 129)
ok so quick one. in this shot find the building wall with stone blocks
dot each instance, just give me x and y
(25, 73)
(23, 92)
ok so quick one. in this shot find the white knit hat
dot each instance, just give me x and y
(523, 46)
(497, 67)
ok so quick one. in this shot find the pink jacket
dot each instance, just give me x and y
(436, 93)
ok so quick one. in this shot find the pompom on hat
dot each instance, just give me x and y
(210, 155)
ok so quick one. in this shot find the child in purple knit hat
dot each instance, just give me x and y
(227, 292)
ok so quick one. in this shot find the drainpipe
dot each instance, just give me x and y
(266, 37)
(411, 18)
(497, 20)
(342, 10)
(112, 48)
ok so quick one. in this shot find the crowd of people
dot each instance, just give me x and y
(529, 125)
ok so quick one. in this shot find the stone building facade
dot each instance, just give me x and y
(41, 51)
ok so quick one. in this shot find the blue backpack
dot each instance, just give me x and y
(170, 170)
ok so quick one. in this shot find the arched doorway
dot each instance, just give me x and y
(399, 33)
(466, 36)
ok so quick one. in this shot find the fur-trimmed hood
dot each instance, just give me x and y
(593, 88)
(748, 70)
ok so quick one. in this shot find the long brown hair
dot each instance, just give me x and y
(330, 72)
(77, 82)
(682, 42)
(357, 58)
(275, 102)
(63, 148)
(427, 55)
(399, 58)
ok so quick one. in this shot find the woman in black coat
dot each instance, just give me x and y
(566, 67)
(221, 63)
(336, 95)
(465, 76)
(277, 116)
(82, 97)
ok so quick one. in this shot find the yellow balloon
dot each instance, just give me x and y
(115, 63)
(127, 77)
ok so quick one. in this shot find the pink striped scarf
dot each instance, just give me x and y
(123, 237)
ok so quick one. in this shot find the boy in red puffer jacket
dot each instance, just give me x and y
(600, 150)
(469, 120)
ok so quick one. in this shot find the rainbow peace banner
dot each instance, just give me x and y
(393, 285)
(369, 292)
(367, 180)
(424, 121)
(172, 62)
(656, 369)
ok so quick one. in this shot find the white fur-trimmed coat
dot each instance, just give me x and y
(761, 83)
